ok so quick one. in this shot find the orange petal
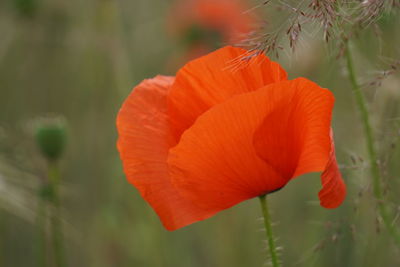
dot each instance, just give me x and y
(144, 141)
(295, 139)
(222, 159)
(214, 78)
(215, 163)
(333, 190)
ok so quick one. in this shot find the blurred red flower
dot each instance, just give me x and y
(220, 133)
(203, 25)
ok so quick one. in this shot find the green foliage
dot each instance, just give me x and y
(46, 192)
(27, 8)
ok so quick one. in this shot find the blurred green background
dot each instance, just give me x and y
(79, 59)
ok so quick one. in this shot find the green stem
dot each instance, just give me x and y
(41, 225)
(56, 225)
(268, 230)
(384, 211)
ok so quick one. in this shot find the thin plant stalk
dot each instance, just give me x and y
(268, 230)
(41, 235)
(56, 224)
(385, 212)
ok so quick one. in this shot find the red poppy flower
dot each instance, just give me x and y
(214, 136)
(205, 21)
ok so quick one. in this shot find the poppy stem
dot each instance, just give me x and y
(385, 212)
(41, 235)
(56, 225)
(268, 230)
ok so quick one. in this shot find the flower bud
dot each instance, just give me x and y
(51, 138)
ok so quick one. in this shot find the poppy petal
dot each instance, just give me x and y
(215, 163)
(222, 160)
(144, 141)
(223, 74)
(296, 138)
(333, 190)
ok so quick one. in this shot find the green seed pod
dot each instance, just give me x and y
(51, 138)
